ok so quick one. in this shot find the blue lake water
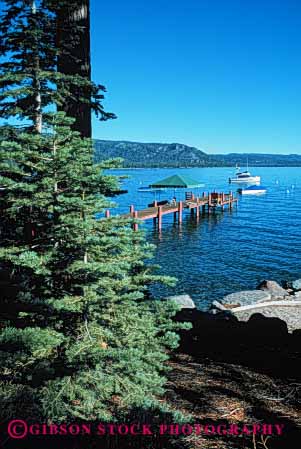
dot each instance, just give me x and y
(229, 251)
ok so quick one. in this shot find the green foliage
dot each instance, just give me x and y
(28, 35)
(79, 335)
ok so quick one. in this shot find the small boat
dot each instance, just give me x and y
(244, 177)
(151, 189)
(252, 190)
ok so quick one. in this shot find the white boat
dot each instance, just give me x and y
(244, 177)
(252, 190)
(151, 189)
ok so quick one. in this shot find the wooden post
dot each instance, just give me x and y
(230, 200)
(135, 225)
(180, 211)
(155, 203)
(107, 213)
(197, 212)
(132, 209)
(159, 217)
(209, 202)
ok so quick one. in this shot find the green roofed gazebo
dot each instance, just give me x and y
(177, 181)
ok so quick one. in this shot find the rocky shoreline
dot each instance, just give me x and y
(269, 299)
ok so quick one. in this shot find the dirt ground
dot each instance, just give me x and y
(232, 372)
(224, 393)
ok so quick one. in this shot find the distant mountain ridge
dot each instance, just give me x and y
(259, 160)
(144, 155)
(136, 154)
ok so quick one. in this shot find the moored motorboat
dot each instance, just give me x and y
(244, 177)
(252, 190)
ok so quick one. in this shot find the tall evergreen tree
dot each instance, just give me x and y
(79, 336)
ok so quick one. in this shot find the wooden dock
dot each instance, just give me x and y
(196, 204)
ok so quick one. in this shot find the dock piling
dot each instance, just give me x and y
(207, 202)
(159, 217)
(135, 225)
(180, 211)
(230, 199)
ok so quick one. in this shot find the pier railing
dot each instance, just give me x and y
(196, 204)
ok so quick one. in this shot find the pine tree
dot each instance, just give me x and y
(79, 335)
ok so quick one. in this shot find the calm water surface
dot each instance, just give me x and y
(230, 251)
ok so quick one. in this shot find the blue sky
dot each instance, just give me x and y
(224, 76)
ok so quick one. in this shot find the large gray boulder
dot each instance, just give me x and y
(275, 290)
(246, 297)
(185, 301)
(296, 284)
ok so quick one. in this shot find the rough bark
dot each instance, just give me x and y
(38, 121)
(73, 34)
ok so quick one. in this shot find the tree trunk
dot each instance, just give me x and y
(38, 121)
(73, 35)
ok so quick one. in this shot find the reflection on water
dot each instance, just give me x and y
(230, 251)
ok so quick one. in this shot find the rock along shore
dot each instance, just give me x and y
(269, 299)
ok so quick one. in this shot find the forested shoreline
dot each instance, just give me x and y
(164, 155)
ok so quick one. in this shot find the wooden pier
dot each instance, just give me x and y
(196, 204)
